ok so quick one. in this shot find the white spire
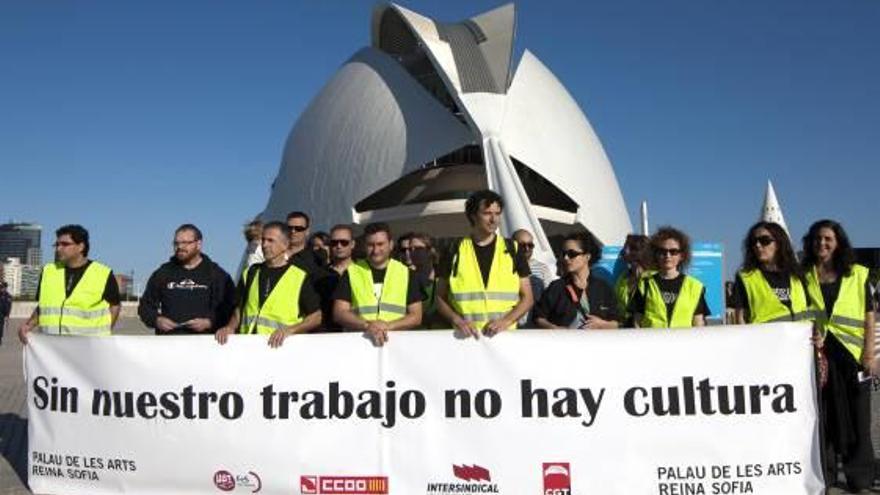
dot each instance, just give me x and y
(644, 211)
(772, 212)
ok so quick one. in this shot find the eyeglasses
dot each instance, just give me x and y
(340, 242)
(660, 252)
(571, 253)
(528, 246)
(63, 244)
(764, 240)
(298, 228)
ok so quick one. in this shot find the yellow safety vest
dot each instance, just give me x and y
(85, 312)
(391, 304)
(765, 306)
(474, 301)
(624, 295)
(682, 312)
(847, 321)
(280, 309)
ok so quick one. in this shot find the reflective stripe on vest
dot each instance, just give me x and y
(847, 321)
(85, 312)
(764, 304)
(280, 309)
(682, 311)
(391, 304)
(475, 301)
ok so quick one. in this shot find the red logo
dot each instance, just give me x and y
(557, 478)
(471, 473)
(343, 485)
(224, 480)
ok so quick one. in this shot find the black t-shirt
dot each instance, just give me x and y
(779, 282)
(556, 304)
(485, 255)
(72, 276)
(268, 278)
(669, 290)
(413, 290)
(308, 261)
(831, 291)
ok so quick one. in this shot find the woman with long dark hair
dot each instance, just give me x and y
(579, 299)
(669, 298)
(769, 286)
(841, 291)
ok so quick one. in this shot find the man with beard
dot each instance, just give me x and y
(189, 294)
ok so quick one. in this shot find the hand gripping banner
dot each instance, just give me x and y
(717, 410)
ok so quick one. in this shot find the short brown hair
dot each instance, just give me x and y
(253, 230)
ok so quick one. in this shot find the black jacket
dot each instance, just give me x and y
(174, 292)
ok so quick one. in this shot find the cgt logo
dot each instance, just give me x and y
(557, 478)
(343, 485)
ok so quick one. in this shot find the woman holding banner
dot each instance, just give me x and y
(840, 289)
(579, 299)
(669, 298)
(769, 286)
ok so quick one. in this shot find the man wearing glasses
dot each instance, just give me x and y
(540, 277)
(189, 294)
(297, 254)
(341, 246)
(483, 280)
(76, 296)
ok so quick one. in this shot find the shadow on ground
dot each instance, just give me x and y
(13, 443)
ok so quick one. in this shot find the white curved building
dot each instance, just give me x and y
(431, 111)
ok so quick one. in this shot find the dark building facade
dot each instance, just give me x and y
(22, 241)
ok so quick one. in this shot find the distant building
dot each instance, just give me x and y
(22, 241)
(126, 285)
(30, 279)
(12, 275)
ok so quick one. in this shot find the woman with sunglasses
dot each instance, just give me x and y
(669, 298)
(579, 299)
(841, 291)
(768, 287)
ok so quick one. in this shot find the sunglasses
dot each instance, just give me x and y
(63, 244)
(528, 246)
(764, 240)
(571, 253)
(340, 242)
(659, 252)
(298, 228)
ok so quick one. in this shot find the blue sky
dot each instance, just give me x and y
(132, 118)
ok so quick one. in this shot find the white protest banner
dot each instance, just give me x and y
(712, 411)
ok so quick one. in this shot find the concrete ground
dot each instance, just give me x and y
(13, 412)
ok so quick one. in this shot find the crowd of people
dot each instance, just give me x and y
(290, 282)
